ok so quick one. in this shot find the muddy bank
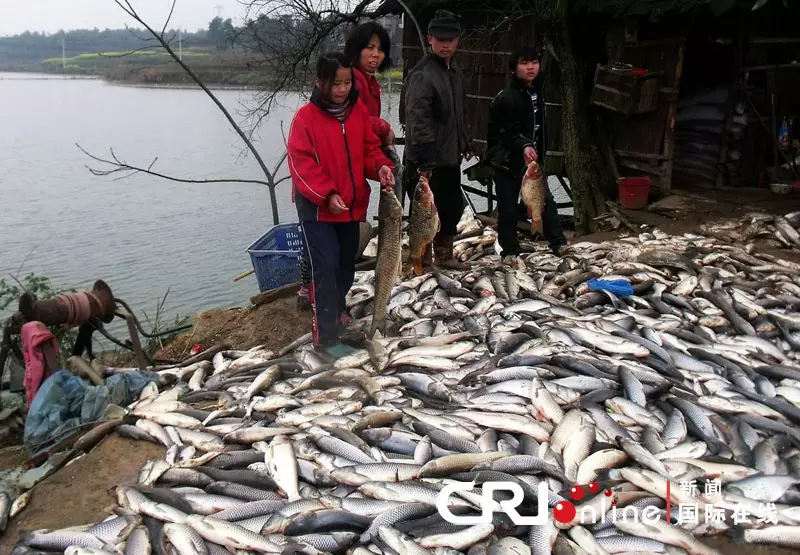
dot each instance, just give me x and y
(80, 492)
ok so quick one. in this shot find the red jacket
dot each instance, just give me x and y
(369, 91)
(326, 156)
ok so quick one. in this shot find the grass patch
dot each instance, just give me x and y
(105, 58)
(393, 74)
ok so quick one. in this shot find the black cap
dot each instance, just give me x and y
(444, 25)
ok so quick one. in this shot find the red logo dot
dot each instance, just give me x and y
(607, 493)
(564, 512)
(614, 501)
(594, 487)
(577, 493)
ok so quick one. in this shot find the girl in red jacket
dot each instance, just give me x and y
(332, 151)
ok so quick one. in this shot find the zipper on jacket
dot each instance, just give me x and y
(349, 167)
(455, 111)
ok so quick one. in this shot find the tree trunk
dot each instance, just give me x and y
(585, 167)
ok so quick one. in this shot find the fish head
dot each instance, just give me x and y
(389, 206)
(423, 192)
(534, 171)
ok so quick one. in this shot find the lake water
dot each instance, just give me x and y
(143, 235)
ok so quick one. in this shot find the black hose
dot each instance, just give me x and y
(99, 326)
(139, 326)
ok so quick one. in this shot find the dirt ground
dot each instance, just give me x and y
(273, 325)
(81, 492)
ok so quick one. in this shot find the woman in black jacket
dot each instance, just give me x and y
(515, 138)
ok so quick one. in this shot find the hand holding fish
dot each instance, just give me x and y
(386, 176)
(336, 204)
(530, 155)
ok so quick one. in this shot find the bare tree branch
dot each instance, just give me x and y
(166, 23)
(289, 34)
(122, 166)
(410, 14)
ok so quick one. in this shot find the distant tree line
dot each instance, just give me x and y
(29, 49)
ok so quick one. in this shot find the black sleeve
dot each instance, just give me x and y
(420, 121)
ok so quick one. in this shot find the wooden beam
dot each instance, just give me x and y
(275, 294)
(669, 128)
(292, 288)
(647, 168)
(466, 51)
(480, 97)
(475, 191)
(763, 40)
(640, 155)
(730, 103)
(793, 65)
(655, 42)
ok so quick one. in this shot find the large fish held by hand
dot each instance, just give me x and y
(423, 224)
(388, 265)
(534, 191)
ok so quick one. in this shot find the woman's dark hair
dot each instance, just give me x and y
(329, 63)
(525, 53)
(358, 38)
(327, 66)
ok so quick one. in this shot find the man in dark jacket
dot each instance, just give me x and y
(437, 132)
(515, 137)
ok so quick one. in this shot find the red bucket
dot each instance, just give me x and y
(633, 192)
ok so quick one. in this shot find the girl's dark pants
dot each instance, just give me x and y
(510, 211)
(332, 252)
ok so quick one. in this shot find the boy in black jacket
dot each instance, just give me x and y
(515, 137)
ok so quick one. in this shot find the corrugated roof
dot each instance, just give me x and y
(653, 8)
(617, 8)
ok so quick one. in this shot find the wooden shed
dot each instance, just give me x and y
(678, 51)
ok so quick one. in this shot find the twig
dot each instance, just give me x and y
(171, 11)
(126, 6)
(121, 166)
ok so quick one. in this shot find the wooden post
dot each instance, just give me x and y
(669, 130)
(730, 103)
(773, 118)
(137, 345)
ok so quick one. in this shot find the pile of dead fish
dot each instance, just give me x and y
(522, 370)
(769, 231)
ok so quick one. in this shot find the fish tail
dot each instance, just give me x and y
(536, 226)
(378, 324)
(737, 536)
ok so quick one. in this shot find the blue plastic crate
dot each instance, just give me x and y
(276, 256)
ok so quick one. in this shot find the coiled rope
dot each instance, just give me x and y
(79, 308)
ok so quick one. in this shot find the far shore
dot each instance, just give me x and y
(44, 75)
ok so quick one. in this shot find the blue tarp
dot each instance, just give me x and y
(619, 287)
(65, 401)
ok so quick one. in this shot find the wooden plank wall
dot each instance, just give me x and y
(644, 143)
(483, 57)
